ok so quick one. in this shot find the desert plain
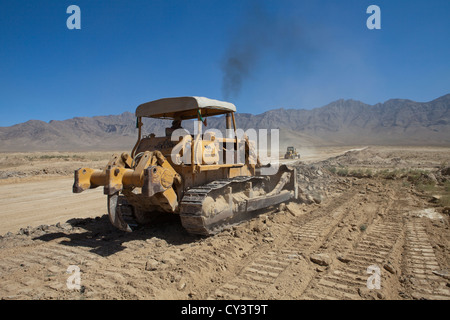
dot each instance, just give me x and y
(371, 222)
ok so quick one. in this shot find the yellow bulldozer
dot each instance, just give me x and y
(209, 180)
(291, 153)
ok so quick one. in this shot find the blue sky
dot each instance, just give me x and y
(292, 54)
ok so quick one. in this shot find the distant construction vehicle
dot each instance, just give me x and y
(188, 175)
(291, 153)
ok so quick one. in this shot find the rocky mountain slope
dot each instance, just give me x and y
(342, 122)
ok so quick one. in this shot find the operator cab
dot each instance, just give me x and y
(177, 110)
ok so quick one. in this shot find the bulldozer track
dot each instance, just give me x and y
(107, 283)
(264, 269)
(420, 264)
(192, 213)
(192, 202)
(344, 280)
(39, 266)
(238, 263)
(52, 255)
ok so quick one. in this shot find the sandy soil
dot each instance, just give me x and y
(391, 225)
(49, 201)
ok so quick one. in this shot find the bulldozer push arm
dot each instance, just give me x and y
(152, 174)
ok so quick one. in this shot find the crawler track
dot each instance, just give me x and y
(344, 281)
(234, 200)
(349, 274)
(263, 270)
(421, 263)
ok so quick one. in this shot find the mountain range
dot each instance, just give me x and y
(342, 122)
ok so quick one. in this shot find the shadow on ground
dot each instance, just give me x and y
(105, 240)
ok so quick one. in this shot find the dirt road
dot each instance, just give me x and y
(347, 238)
(46, 202)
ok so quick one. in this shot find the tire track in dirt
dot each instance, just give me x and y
(179, 269)
(262, 270)
(344, 281)
(36, 268)
(40, 270)
(373, 249)
(52, 255)
(239, 263)
(420, 262)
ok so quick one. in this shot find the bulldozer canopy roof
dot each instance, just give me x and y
(184, 108)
